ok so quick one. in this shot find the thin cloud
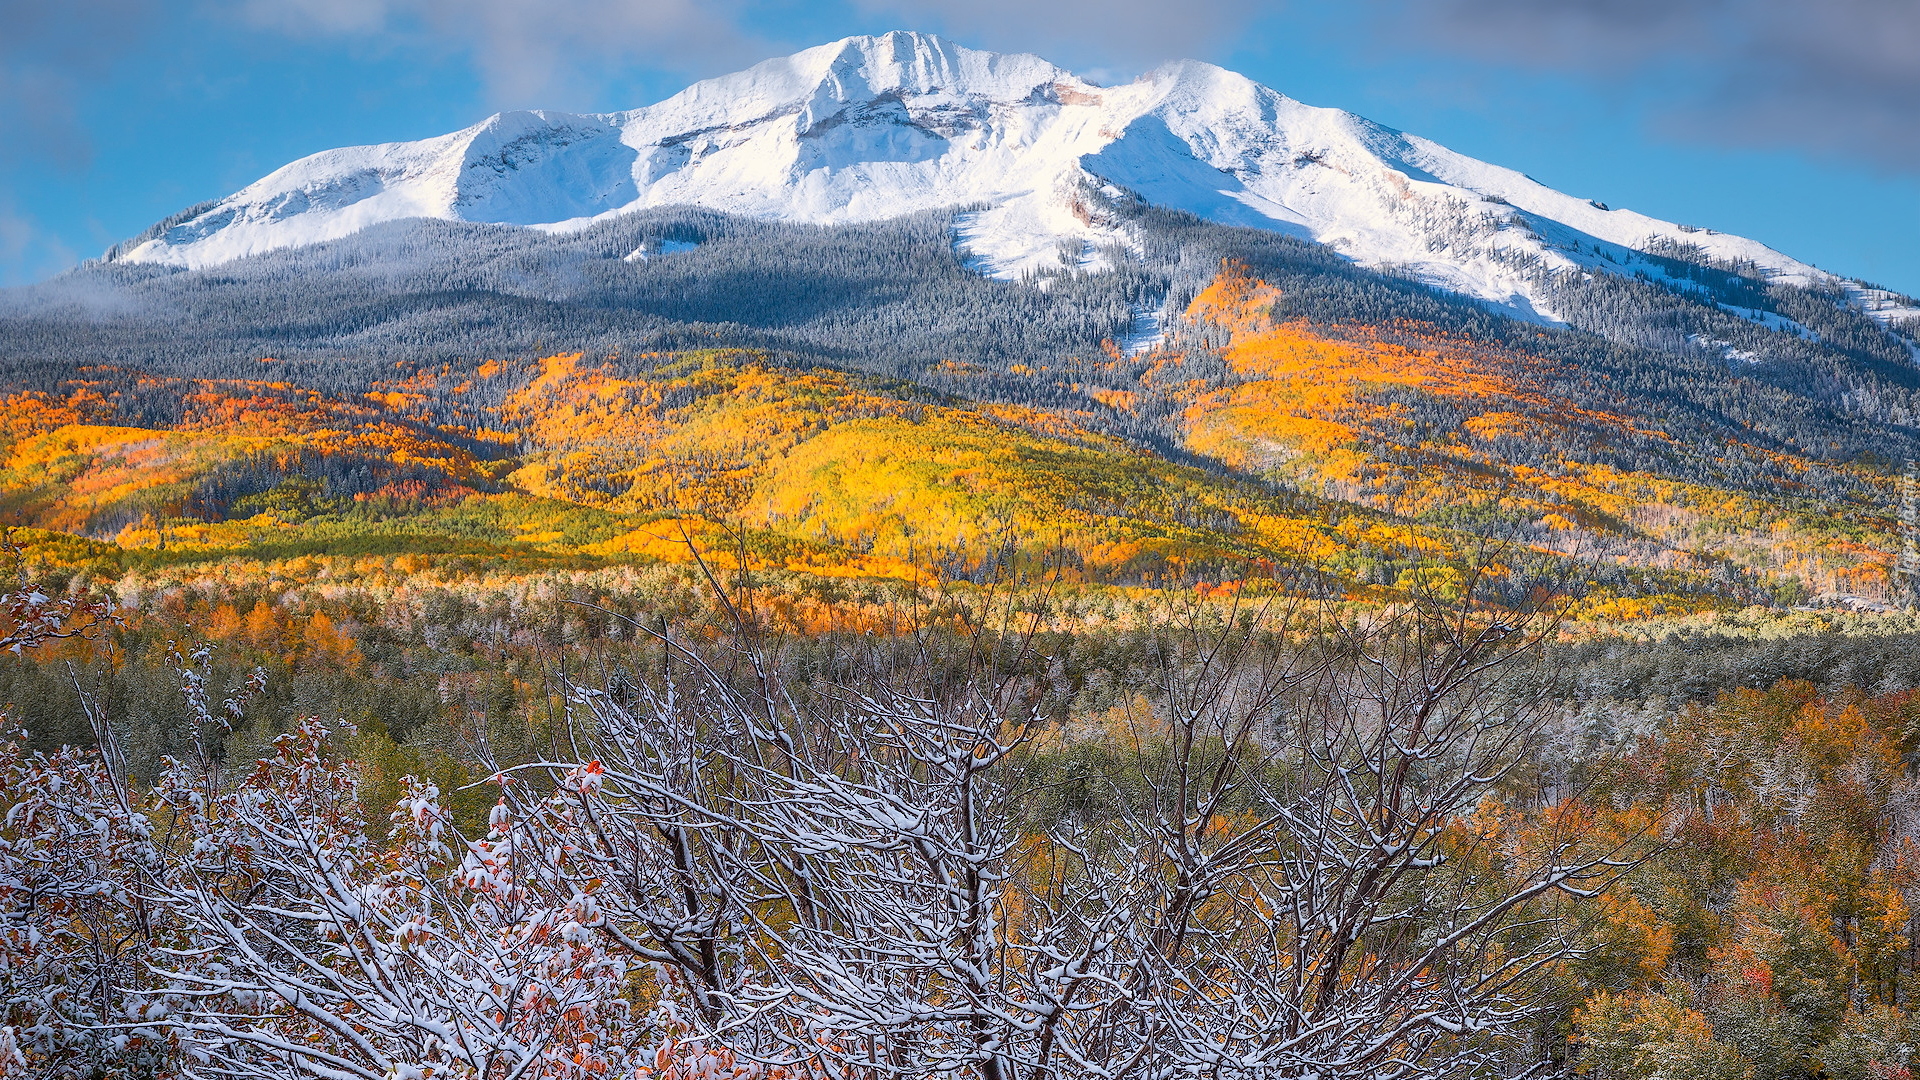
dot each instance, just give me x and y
(1836, 76)
(47, 53)
(28, 252)
(551, 52)
(534, 52)
(1098, 32)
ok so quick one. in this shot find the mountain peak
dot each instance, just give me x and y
(909, 61)
(856, 69)
(867, 128)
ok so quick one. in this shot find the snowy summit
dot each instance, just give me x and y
(876, 127)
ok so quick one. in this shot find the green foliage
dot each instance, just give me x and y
(1652, 1037)
(294, 499)
(1872, 1042)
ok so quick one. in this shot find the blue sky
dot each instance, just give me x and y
(1792, 122)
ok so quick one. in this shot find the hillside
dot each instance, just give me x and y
(1354, 453)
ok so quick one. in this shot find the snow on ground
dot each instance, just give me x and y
(1727, 350)
(1147, 333)
(653, 249)
(1771, 321)
(1883, 304)
(875, 127)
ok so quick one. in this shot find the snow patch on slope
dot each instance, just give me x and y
(1147, 332)
(653, 249)
(1728, 351)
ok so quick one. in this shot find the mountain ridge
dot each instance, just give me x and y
(872, 128)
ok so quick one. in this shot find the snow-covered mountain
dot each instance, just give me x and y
(874, 127)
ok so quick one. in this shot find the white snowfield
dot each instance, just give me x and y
(876, 127)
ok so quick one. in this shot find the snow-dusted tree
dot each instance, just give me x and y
(208, 724)
(73, 849)
(73, 925)
(1304, 866)
(1378, 902)
(305, 950)
(824, 878)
